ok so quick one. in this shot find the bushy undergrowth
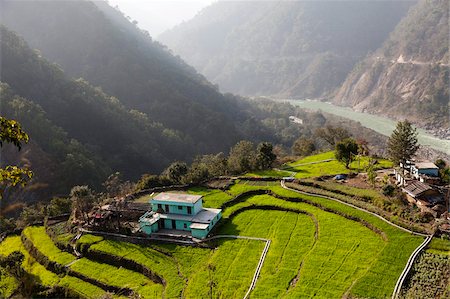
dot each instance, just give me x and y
(429, 277)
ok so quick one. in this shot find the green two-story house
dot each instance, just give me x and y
(179, 212)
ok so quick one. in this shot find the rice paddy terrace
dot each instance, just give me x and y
(319, 248)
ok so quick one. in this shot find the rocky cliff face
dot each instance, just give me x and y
(408, 77)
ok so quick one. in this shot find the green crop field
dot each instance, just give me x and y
(319, 248)
(45, 277)
(110, 275)
(318, 165)
(269, 173)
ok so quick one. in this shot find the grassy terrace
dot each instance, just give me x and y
(42, 275)
(314, 253)
(314, 166)
(104, 273)
(391, 260)
(162, 264)
(346, 258)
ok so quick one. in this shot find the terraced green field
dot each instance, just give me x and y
(317, 165)
(319, 248)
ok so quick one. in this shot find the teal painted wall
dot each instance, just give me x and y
(148, 229)
(199, 233)
(178, 208)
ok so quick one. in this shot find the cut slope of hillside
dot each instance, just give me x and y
(409, 76)
(291, 48)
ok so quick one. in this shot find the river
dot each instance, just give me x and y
(377, 123)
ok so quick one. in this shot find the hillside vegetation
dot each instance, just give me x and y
(289, 48)
(136, 108)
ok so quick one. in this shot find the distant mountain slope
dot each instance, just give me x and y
(94, 41)
(409, 76)
(290, 48)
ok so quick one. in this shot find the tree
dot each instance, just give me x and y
(175, 172)
(11, 132)
(264, 155)
(242, 157)
(303, 146)
(82, 201)
(371, 174)
(444, 170)
(148, 181)
(116, 187)
(346, 150)
(402, 144)
(332, 135)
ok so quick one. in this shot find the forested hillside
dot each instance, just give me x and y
(84, 132)
(107, 50)
(286, 48)
(408, 77)
(80, 135)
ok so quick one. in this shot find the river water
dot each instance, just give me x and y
(377, 123)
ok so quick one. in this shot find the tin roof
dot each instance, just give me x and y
(206, 215)
(415, 188)
(177, 197)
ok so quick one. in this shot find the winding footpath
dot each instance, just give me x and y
(410, 262)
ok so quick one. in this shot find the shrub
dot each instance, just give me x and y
(388, 190)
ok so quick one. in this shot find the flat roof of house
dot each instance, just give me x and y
(426, 165)
(415, 188)
(177, 197)
(206, 215)
(199, 226)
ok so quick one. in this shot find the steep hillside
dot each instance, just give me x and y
(291, 48)
(408, 77)
(102, 46)
(84, 131)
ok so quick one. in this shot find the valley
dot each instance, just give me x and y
(259, 150)
(377, 123)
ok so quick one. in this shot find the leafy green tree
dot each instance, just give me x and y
(11, 132)
(402, 144)
(332, 135)
(303, 146)
(175, 172)
(242, 157)
(59, 206)
(264, 155)
(444, 170)
(371, 174)
(148, 181)
(346, 150)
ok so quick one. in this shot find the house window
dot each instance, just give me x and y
(167, 208)
(180, 207)
(159, 206)
(185, 225)
(189, 210)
